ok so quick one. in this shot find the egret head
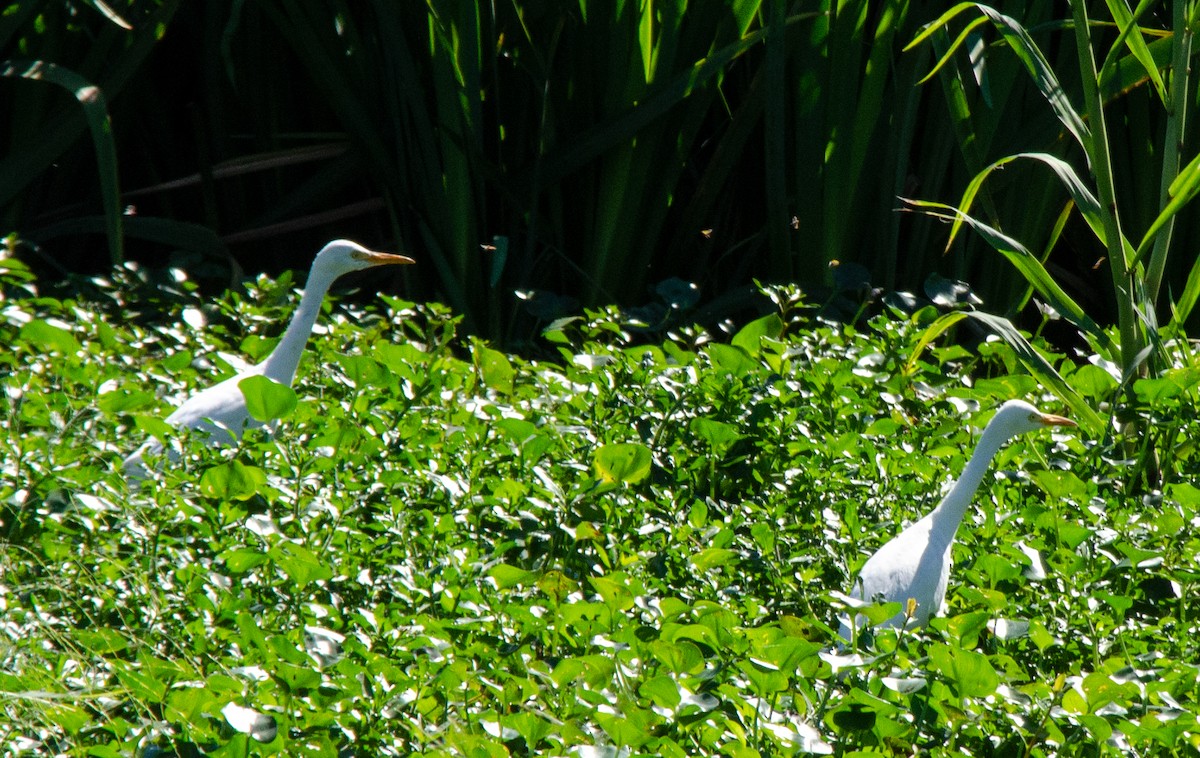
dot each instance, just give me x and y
(1018, 416)
(343, 256)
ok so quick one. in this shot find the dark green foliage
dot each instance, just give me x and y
(531, 156)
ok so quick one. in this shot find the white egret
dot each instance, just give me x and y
(916, 563)
(220, 411)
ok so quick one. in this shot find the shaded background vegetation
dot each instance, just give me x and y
(536, 157)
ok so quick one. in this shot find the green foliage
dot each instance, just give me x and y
(445, 549)
(1112, 59)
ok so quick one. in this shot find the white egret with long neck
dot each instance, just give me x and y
(220, 411)
(916, 563)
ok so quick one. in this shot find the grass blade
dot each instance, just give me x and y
(1027, 264)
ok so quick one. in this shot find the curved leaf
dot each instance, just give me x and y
(623, 462)
(267, 399)
(1029, 266)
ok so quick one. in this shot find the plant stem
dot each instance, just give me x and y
(1177, 107)
(1098, 156)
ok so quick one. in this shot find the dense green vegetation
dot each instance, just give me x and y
(580, 153)
(633, 549)
(630, 538)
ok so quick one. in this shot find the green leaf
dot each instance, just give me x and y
(232, 481)
(1092, 381)
(299, 563)
(518, 430)
(663, 691)
(627, 462)
(267, 399)
(494, 368)
(750, 336)
(48, 338)
(712, 557)
(125, 400)
(971, 672)
(363, 371)
(241, 560)
(143, 687)
(101, 641)
(730, 359)
(615, 594)
(297, 678)
(507, 577)
(681, 657)
(717, 434)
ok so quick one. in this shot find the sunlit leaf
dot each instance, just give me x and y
(627, 462)
(300, 564)
(266, 399)
(232, 481)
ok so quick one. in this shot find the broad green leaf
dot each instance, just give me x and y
(101, 641)
(718, 434)
(627, 462)
(631, 728)
(730, 359)
(70, 718)
(124, 400)
(232, 481)
(751, 335)
(267, 399)
(681, 657)
(297, 678)
(251, 633)
(242, 560)
(557, 585)
(402, 360)
(140, 685)
(663, 691)
(971, 672)
(877, 613)
(518, 430)
(614, 593)
(1101, 690)
(300, 564)
(363, 371)
(493, 367)
(49, 338)
(712, 557)
(188, 704)
(1092, 382)
(507, 577)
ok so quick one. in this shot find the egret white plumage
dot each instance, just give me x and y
(220, 411)
(916, 563)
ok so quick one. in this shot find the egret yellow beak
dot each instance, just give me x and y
(381, 259)
(1051, 420)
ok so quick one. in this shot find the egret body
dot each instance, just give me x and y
(220, 411)
(916, 563)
